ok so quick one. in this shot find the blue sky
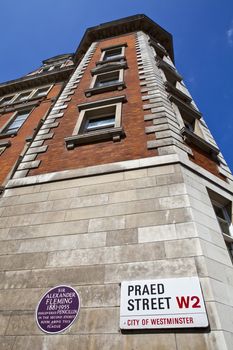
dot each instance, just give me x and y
(202, 33)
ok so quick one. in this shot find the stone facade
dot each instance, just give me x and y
(108, 212)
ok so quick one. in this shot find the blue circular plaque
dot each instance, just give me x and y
(57, 309)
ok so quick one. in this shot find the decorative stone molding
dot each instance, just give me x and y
(52, 119)
(158, 105)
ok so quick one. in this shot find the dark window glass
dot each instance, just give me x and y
(18, 121)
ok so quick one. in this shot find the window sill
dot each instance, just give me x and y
(172, 89)
(161, 51)
(186, 108)
(99, 90)
(120, 59)
(171, 73)
(227, 238)
(4, 136)
(114, 134)
(191, 137)
(18, 105)
(104, 68)
(5, 144)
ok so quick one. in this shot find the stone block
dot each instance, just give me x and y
(121, 237)
(4, 319)
(49, 230)
(183, 248)
(41, 149)
(106, 224)
(49, 244)
(89, 321)
(109, 255)
(22, 261)
(116, 273)
(160, 170)
(191, 341)
(48, 278)
(29, 165)
(7, 343)
(29, 158)
(107, 295)
(27, 208)
(156, 233)
(159, 218)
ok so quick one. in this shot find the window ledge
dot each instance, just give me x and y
(227, 238)
(104, 68)
(104, 102)
(17, 105)
(186, 108)
(191, 137)
(177, 92)
(121, 59)
(3, 136)
(98, 90)
(113, 47)
(160, 50)
(5, 144)
(114, 134)
(172, 73)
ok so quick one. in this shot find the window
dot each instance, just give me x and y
(112, 54)
(16, 122)
(23, 96)
(101, 122)
(223, 217)
(41, 92)
(6, 100)
(107, 81)
(98, 121)
(4, 145)
(223, 212)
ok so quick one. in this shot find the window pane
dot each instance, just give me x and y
(6, 100)
(41, 92)
(100, 123)
(112, 54)
(17, 122)
(23, 96)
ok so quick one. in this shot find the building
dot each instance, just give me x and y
(109, 175)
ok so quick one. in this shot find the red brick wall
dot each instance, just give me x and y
(134, 146)
(203, 159)
(11, 154)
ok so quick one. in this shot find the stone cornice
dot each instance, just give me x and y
(32, 81)
(123, 26)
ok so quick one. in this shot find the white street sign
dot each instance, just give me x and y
(162, 303)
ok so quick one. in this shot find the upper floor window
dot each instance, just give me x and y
(16, 122)
(24, 96)
(107, 81)
(5, 100)
(98, 121)
(223, 212)
(113, 53)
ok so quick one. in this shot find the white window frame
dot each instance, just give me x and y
(119, 85)
(97, 76)
(119, 57)
(116, 57)
(97, 109)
